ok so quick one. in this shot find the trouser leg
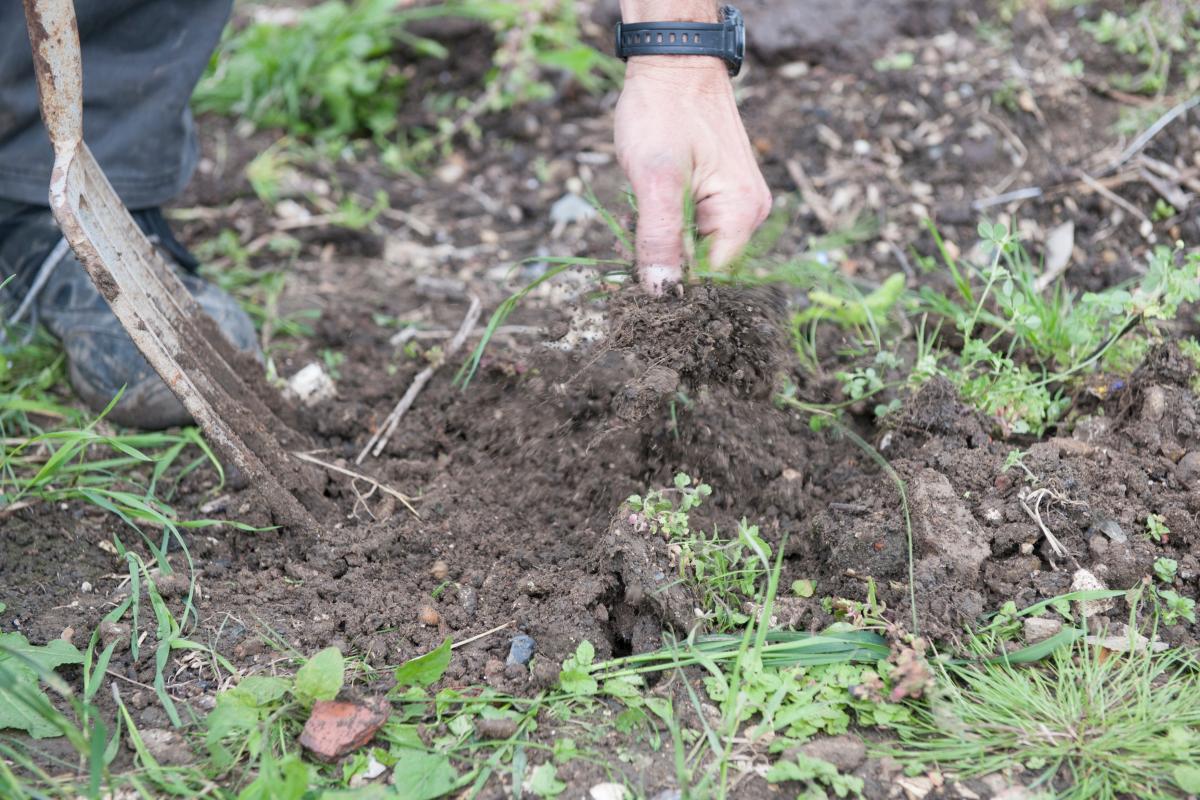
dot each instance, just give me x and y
(141, 61)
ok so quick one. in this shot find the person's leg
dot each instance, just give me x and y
(141, 61)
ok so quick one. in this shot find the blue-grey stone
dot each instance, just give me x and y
(521, 649)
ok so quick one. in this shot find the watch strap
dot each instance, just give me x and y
(719, 39)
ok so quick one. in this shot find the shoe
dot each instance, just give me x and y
(49, 285)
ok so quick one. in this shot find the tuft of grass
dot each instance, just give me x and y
(1086, 723)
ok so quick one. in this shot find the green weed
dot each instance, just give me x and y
(1162, 37)
(331, 74)
(726, 575)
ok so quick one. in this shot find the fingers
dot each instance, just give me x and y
(730, 219)
(659, 189)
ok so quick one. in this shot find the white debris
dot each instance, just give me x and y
(608, 791)
(568, 209)
(311, 385)
(1084, 581)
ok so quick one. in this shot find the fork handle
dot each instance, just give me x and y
(57, 60)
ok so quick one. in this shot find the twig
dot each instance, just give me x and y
(479, 636)
(1028, 193)
(415, 223)
(311, 459)
(1104, 191)
(1147, 135)
(811, 196)
(408, 334)
(384, 434)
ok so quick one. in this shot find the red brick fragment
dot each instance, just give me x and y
(336, 727)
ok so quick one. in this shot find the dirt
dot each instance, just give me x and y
(520, 479)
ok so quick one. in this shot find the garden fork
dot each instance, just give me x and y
(220, 388)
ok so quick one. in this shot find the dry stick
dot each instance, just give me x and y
(1144, 139)
(479, 636)
(384, 434)
(359, 476)
(808, 190)
(1104, 191)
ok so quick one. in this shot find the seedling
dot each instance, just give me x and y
(1165, 569)
(1156, 527)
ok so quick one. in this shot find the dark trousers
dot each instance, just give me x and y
(141, 61)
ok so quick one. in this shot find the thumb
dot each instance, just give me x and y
(659, 239)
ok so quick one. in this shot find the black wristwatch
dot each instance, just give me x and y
(725, 40)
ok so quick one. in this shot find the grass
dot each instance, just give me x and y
(331, 74)
(1085, 724)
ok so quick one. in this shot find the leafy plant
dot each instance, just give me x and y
(1156, 527)
(817, 775)
(726, 575)
(1160, 36)
(1165, 569)
(21, 668)
(1176, 607)
(327, 72)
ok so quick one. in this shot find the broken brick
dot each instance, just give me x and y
(337, 727)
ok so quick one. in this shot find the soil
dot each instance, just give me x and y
(520, 479)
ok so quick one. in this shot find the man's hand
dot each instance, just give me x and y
(677, 130)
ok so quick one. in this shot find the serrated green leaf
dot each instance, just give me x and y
(544, 782)
(425, 670)
(47, 657)
(321, 677)
(19, 698)
(262, 689)
(419, 775)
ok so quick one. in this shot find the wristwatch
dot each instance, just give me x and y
(725, 40)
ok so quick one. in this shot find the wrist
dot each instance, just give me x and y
(669, 11)
(697, 72)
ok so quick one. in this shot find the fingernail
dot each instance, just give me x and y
(656, 277)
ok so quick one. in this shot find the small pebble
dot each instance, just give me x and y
(608, 791)
(1037, 629)
(521, 649)
(496, 728)
(85, 587)
(440, 570)
(428, 616)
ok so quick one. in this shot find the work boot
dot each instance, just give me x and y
(50, 286)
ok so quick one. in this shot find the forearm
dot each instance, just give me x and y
(669, 10)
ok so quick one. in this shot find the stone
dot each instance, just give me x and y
(1187, 471)
(167, 746)
(311, 385)
(1038, 629)
(944, 528)
(608, 791)
(520, 650)
(336, 728)
(502, 728)
(846, 752)
(1085, 581)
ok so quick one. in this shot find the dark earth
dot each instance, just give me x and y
(519, 479)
